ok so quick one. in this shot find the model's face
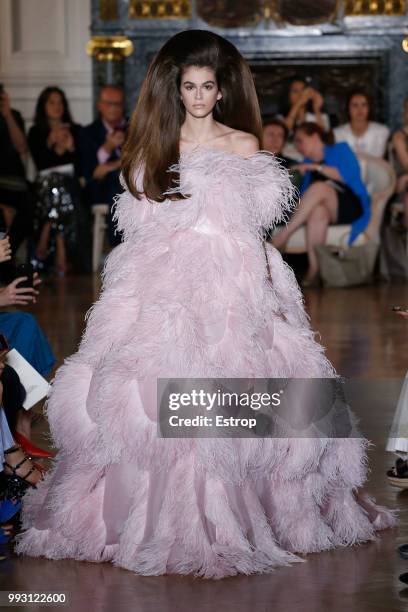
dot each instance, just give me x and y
(54, 106)
(199, 91)
(111, 105)
(274, 138)
(359, 109)
(295, 90)
(308, 146)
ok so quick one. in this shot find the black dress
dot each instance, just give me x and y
(60, 199)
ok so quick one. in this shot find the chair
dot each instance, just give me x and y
(99, 212)
(380, 180)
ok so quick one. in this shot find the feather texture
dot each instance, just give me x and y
(187, 294)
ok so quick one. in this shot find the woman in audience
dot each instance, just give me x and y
(332, 193)
(400, 161)
(24, 334)
(53, 142)
(304, 103)
(17, 472)
(362, 134)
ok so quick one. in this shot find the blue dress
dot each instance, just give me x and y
(25, 335)
(342, 157)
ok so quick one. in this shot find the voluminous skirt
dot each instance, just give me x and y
(193, 293)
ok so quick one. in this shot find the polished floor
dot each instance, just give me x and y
(366, 341)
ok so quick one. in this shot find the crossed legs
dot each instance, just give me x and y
(317, 209)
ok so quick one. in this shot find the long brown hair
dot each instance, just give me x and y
(154, 131)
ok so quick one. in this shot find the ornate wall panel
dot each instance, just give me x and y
(160, 9)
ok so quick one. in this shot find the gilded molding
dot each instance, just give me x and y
(109, 48)
(375, 7)
(160, 9)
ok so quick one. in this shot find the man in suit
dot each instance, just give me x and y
(100, 149)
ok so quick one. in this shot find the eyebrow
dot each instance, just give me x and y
(191, 83)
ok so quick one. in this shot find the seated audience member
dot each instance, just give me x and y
(400, 161)
(101, 144)
(24, 334)
(362, 134)
(54, 142)
(17, 471)
(275, 135)
(16, 202)
(303, 103)
(332, 191)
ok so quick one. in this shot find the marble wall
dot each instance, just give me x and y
(342, 44)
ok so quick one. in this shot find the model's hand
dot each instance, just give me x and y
(17, 296)
(103, 169)
(403, 314)
(5, 249)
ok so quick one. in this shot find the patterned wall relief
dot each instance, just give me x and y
(160, 9)
(230, 13)
(304, 12)
(375, 7)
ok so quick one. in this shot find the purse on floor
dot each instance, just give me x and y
(347, 266)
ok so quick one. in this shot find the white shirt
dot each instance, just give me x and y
(373, 141)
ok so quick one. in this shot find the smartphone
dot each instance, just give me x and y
(3, 233)
(4, 346)
(28, 271)
(399, 308)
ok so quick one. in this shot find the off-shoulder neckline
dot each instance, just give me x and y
(221, 152)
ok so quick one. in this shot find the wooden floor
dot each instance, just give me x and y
(365, 340)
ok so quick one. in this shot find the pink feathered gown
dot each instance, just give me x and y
(187, 294)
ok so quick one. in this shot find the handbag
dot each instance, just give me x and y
(347, 266)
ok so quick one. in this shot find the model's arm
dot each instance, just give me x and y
(246, 144)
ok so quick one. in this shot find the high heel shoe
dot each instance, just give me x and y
(16, 485)
(30, 448)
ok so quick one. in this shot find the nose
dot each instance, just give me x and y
(199, 93)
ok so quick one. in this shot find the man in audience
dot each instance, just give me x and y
(101, 143)
(14, 190)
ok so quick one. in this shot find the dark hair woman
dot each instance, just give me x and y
(187, 295)
(301, 103)
(54, 146)
(360, 132)
(332, 193)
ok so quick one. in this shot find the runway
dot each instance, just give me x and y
(364, 340)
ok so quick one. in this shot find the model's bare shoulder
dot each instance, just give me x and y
(244, 144)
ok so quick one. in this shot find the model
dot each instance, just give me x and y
(188, 294)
